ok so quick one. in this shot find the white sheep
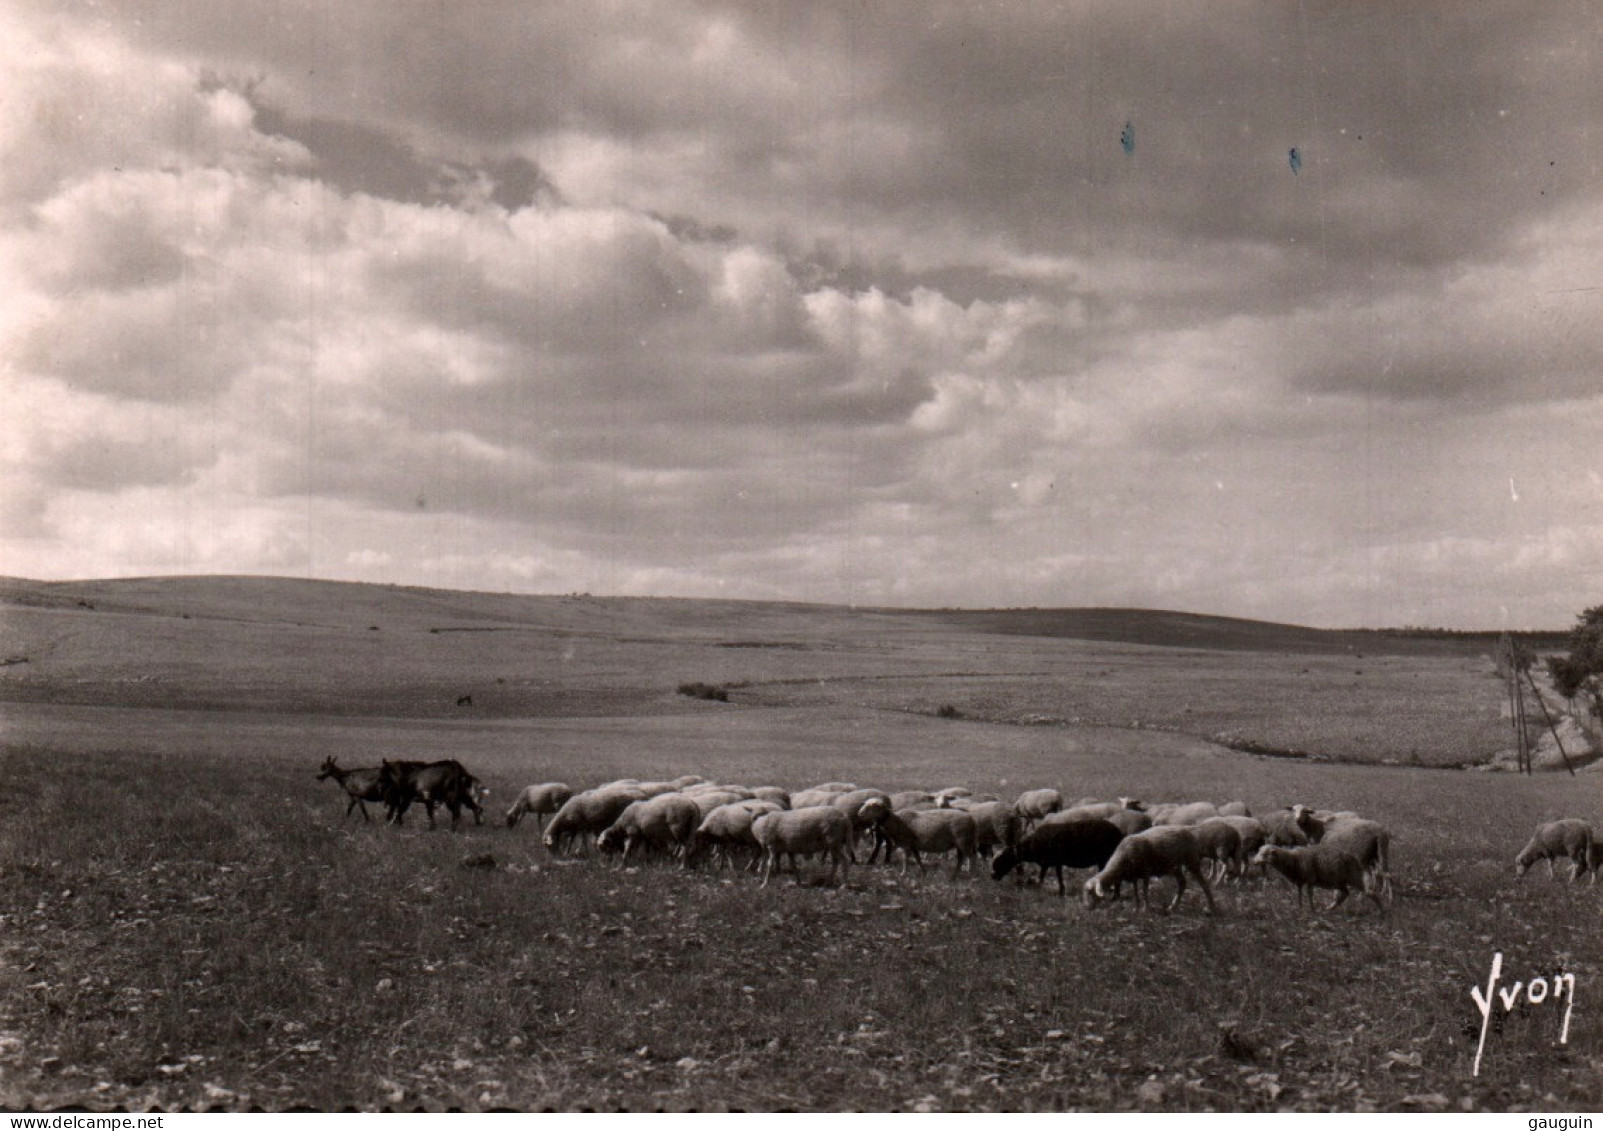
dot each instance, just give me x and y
(707, 800)
(1327, 866)
(1569, 838)
(1164, 850)
(1192, 813)
(1281, 827)
(1368, 840)
(917, 831)
(1220, 844)
(541, 800)
(1234, 809)
(1253, 837)
(1033, 804)
(816, 796)
(588, 813)
(796, 832)
(728, 827)
(1091, 807)
(778, 796)
(664, 822)
(996, 825)
(1127, 821)
(912, 799)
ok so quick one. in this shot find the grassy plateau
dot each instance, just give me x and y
(187, 919)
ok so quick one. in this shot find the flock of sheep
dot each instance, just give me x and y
(1121, 842)
(693, 820)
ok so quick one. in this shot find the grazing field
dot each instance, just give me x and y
(189, 921)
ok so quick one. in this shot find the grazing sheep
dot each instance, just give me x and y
(685, 781)
(707, 800)
(836, 787)
(1281, 828)
(1253, 837)
(1087, 842)
(728, 827)
(1368, 840)
(812, 798)
(1193, 813)
(1234, 809)
(944, 797)
(1033, 804)
(588, 814)
(1555, 840)
(772, 793)
(1090, 807)
(360, 785)
(541, 800)
(664, 822)
(852, 805)
(1321, 866)
(794, 832)
(656, 788)
(995, 825)
(1220, 844)
(1128, 821)
(917, 831)
(1165, 850)
(912, 799)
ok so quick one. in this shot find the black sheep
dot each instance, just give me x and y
(1085, 842)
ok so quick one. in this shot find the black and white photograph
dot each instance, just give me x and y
(920, 556)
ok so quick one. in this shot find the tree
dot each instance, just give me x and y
(1582, 669)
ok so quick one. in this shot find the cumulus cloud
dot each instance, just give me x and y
(827, 302)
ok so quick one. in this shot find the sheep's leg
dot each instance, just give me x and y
(1341, 897)
(1180, 886)
(1063, 889)
(1207, 893)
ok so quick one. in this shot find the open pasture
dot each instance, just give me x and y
(188, 920)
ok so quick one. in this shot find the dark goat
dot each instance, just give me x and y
(360, 785)
(1086, 842)
(433, 783)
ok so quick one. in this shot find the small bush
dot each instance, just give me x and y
(704, 691)
(948, 711)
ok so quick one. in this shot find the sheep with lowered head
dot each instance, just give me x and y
(995, 825)
(663, 822)
(541, 800)
(1086, 842)
(1164, 850)
(1220, 844)
(729, 827)
(917, 831)
(1253, 836)
(1368, 840)
(1570, 839)
(797, 832)
(588, 814)
(1321, 866)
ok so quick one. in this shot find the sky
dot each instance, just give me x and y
(1291, 311)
